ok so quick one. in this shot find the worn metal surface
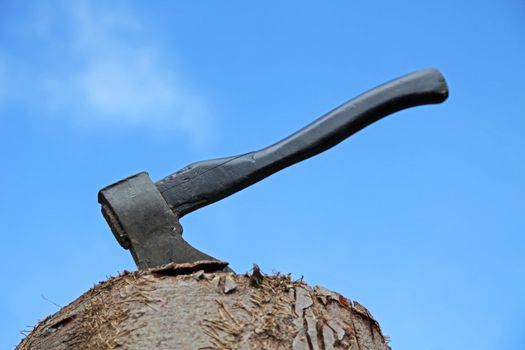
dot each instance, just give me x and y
(144, 216)
(143, 223)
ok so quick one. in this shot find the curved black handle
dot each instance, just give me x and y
(205, 182)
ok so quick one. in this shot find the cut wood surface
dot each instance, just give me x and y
(194, 306)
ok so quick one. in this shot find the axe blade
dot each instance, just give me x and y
(142, 222)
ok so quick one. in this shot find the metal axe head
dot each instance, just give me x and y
(142, 222)
(144, 216)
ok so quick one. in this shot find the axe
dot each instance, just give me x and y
(144, 215)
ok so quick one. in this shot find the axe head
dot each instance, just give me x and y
(142, 222)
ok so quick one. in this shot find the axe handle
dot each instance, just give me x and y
(203, 183)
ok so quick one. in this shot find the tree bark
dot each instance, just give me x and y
(194, 306)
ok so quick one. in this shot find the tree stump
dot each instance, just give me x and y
(196, 306)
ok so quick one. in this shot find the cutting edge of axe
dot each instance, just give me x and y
(144, 216)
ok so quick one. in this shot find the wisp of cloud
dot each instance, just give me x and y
(96, 66)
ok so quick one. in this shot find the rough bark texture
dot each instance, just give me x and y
(187, 308)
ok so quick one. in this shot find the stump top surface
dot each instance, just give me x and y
(188, 308)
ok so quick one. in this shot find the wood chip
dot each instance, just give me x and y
(300, 342)
(311, 324)
(339, 331)
(256, 278)
(229, 284)
(328, 338)
(198, 275)
(303, 300)
(325, 295)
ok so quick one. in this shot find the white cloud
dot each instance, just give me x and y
(101, 70)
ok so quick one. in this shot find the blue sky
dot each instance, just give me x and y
(419, 217)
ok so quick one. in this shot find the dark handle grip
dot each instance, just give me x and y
(419, 88)
(206, 182)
